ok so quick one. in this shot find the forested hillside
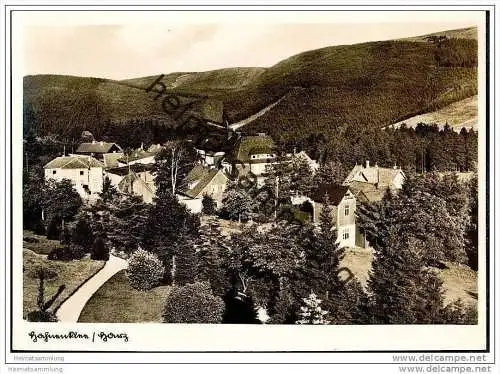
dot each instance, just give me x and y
(340, 90)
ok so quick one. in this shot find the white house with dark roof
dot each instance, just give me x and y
(342, 201)
(202, 180)
(85, 173)
(139, 184)
(253, 154)
(374, 181)
(137, 179)
(98, 149)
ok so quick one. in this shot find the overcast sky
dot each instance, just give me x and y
(134, 50)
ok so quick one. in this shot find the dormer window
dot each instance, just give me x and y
(192, 185)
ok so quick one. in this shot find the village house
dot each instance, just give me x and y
(313, 164)
(210, 158)
(139, 185)
(253, 154)
(84, 172)
(110, 160)
(202, 180)
(374, 181)
(138, 156)
(342, 201)
(137, 179)
(98, 149)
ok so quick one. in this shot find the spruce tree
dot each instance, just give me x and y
(185, 262)
(402, 290)
(311, 312)
(167, 222)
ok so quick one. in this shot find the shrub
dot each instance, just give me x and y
(185, 264)
(53, 230)
(99, 250)
(209, 205)
(458, 313)
(47, 274)
(39, 228)
(67, 253)
(145, 270)
(41, 316)
(81, 232)
(193, 303)
(29, 239)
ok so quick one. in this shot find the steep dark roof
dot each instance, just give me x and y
(97, 147)
(373, 174)
(202, 176)
(369, 190)
(126, 183)
(136, 168)
(335, 193)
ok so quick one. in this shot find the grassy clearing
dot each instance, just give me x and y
(459, 281)
(72, 274)
(39, 243)
(117, 302)
(460, 114)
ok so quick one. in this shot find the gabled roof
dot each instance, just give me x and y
(370, 192)
(248, 145)
(138, 154)
(136, 168)
(335, 193)
(373, 174)
(128, 180)
(97, 147)
(111, 159)
(73, 162)
(200, 176)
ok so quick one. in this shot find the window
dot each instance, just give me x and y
(81, 172)
(53, 171)
(345, 235)
(346, 210)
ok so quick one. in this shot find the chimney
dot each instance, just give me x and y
(101, 142)
(93, 141)
(367, 164)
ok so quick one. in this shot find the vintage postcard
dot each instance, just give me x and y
(229, 180)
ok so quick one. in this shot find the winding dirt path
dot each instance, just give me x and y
(253, 117)
(70, 310)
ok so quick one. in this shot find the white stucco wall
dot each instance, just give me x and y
(398, 181)
(193, 205)
(93, 178)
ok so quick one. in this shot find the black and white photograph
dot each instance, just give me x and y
(261, 175)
